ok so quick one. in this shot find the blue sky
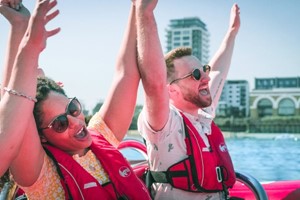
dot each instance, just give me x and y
(83, 54)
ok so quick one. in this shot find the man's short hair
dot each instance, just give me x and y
(173, 55)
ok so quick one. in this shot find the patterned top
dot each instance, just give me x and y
(167, 147)
(48, 184)
(96, 123)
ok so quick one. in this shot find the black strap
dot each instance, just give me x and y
(220, 174)
(149, 180)
(148, 176)
(59, 171)
(159, 177)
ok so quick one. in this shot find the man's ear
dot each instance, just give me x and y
(173, 90)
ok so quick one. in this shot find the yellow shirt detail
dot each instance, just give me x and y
(96, 123)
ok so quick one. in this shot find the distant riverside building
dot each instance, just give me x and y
(275, 97)
(234, 100)
(189, 32)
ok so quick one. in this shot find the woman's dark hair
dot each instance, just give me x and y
(45, 85)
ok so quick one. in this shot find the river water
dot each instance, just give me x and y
(265, 159)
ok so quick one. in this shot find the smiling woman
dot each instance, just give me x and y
(52, 125)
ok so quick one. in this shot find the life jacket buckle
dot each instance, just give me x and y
(219, 174)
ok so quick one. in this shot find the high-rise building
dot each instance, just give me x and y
(234, 100)
(189, 32)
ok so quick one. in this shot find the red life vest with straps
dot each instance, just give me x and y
(79, 184)
(203, 170)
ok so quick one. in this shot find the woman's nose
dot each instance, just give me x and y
(74, 121)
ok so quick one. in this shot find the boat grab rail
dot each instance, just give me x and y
(253, 184)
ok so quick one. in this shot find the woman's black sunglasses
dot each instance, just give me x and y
(61, 122)
(196, 74)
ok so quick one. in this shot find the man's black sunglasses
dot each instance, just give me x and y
(196, 74)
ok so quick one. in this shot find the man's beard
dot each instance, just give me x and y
(196, 99)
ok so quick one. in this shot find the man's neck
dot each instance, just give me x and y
(192, 110)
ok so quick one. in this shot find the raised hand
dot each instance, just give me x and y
(235, 22)
(18, 20)
(14, 16)
(15, 4)
(36, 32)
(146, 5)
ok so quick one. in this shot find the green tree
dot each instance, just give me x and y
(97, 107)
(133, 125)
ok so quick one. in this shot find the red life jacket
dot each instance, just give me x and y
(202, 171)
(79, 184)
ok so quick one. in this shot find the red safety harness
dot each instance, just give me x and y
(79, 184)
(202, 171)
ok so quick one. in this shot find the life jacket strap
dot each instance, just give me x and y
(221, 179)
(167, 176)
(159, 177)
(63, 181)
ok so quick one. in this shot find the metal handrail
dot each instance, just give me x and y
(253, 184)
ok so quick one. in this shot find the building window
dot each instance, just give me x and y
(185, 32)
(264, 108)
(286, 107)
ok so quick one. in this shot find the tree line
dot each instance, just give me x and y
(232, 123)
